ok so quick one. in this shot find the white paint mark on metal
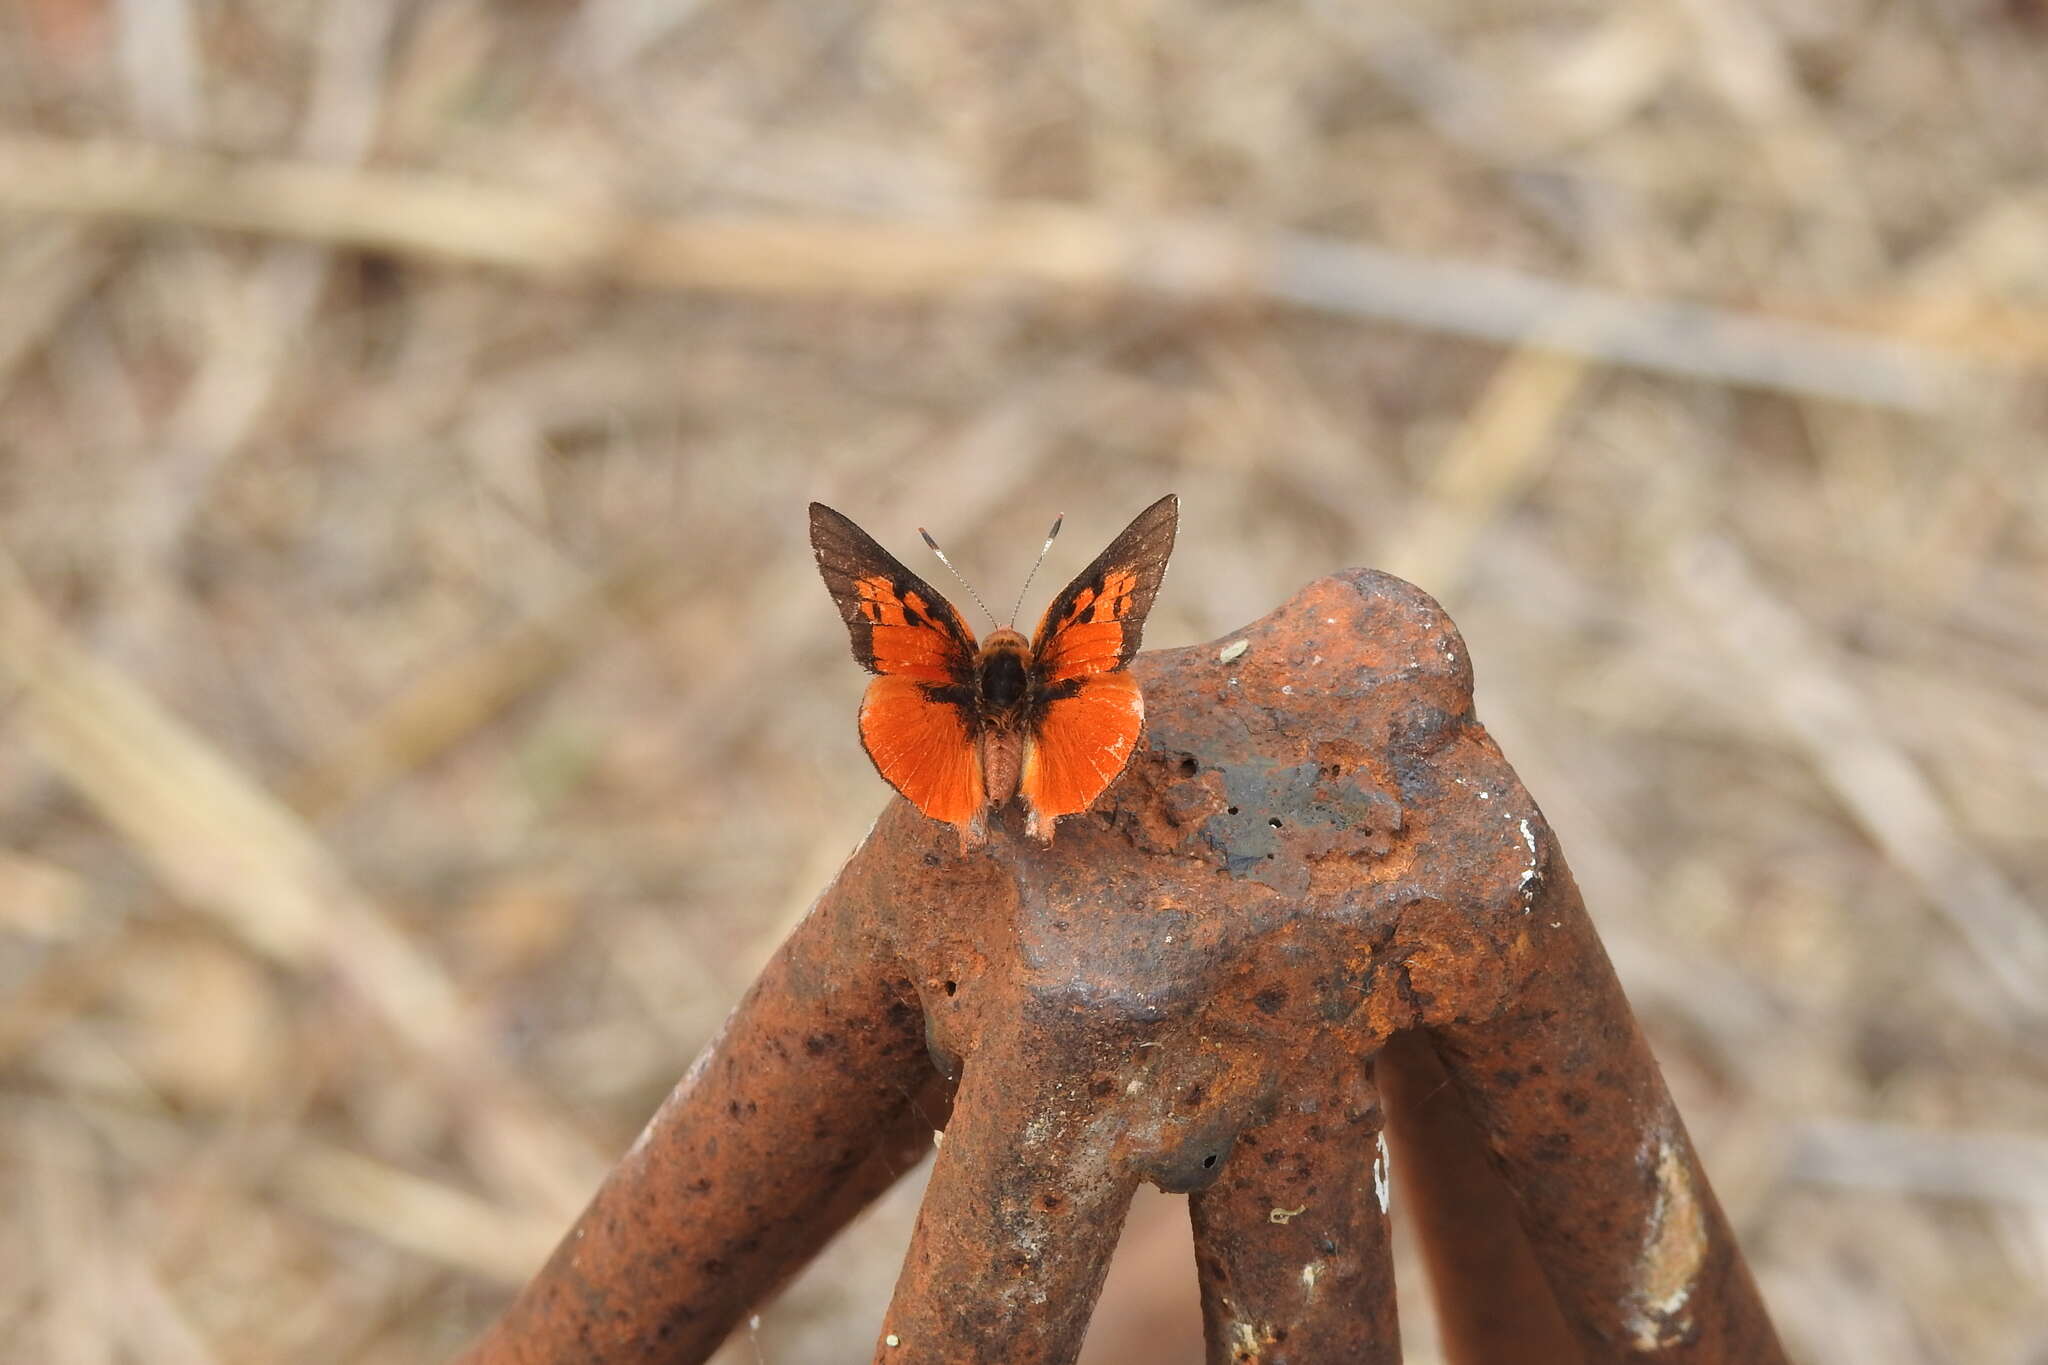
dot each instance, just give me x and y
(1674, 1248)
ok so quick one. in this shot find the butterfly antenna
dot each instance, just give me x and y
(957, 574)
(1050, 536)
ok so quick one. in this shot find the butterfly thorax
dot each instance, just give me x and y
(1002, 678)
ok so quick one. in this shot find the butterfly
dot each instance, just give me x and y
(959, 727)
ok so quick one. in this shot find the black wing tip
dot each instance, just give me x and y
(1165, 512)
(824, 521)
(1166, 509)
(832, 530)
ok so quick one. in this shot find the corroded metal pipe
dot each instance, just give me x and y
(1292, 1244)
(1492, 1299)
(1611, 1194)
(811, 1100)
(1318, 846)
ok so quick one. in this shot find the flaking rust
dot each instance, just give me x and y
(1318, 847)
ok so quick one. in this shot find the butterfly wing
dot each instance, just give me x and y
(900, 627)
(925, 749)
(917, 719)
(1093, 711)
(1082, 742)
(1094, 625)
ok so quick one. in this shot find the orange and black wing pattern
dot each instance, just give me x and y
(916, 721)
(1091, 711)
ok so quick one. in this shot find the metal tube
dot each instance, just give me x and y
(1492, 1300)
(1611, 1194)
(1292, 1243)
(1023, 1209)
(814, 1096)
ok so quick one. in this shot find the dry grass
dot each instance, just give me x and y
(421, 716)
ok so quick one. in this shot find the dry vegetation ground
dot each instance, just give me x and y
(419, 715)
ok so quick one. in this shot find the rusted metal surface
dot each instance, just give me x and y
(1025, 1202)
(1292, 1242)
(1492, 1300)
(1317, 847)
(1612, 1196)
(812, 1100)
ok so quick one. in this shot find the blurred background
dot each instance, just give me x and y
(420, 715)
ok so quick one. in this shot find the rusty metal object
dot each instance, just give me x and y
(811, 1101)
(1318, 847)
(1492, 1300)
(1292, 1243)
(1611, 1194)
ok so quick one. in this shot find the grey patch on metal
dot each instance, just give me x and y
(1245, 833)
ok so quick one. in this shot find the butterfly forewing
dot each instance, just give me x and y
(1093, 711)
(1095, 624)
(900, 627)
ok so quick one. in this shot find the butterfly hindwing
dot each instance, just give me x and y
(1083, 740)
(923, 748)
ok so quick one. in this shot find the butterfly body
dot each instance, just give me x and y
(1007, 706)
(962, 727)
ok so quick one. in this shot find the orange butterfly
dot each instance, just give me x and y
(959, 727)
